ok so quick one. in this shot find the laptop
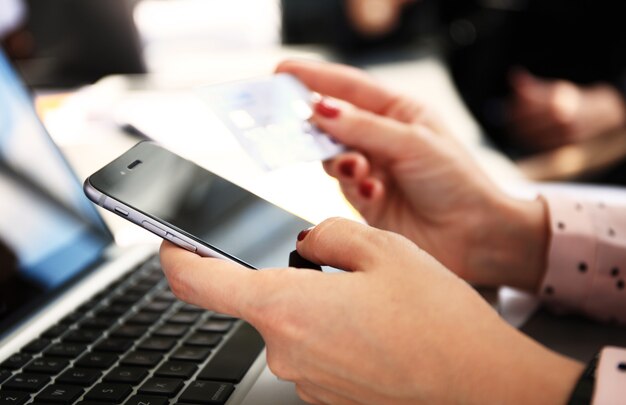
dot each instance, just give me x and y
(85, 321)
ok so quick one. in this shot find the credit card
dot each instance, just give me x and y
(269, 116)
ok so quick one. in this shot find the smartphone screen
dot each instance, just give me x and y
(180, 195)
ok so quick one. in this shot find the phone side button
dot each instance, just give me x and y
(180, 242)
(153, 228)
(121, 211)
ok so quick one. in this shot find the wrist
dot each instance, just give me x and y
(549, 377)
(517, 370)
(512, 247)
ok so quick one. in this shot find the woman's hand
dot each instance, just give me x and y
(398, 328)
(407, 174)
(546, 114)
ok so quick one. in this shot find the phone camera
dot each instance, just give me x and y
(134, 164)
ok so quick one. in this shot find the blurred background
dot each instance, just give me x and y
(541, 83)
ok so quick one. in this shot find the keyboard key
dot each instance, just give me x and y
(26, 382)
(113, 345)
(47, 365)
(176, 369)
(168, 387)
(97, 360)
(157, 306)
(110, 393)
(54, 331)
(160, 344)
(186, 318)
(195, 354)
(36, 345)
(90, 403)
(64, 394)
(4, 374)
(166, 295)
(128, 298)
(113, 310)
(142, 359)
(190, 308)
(130, 331)
(147, 400)
(169, 330)
(223, 317)
(204, 339)
(235, 357)
(207, 392)
(18, 360)
(79, 376)
(100, 323)
(82, 336)
(127, 375)
(144, 318)
(13, 397)
(216, 325)
(67, 350)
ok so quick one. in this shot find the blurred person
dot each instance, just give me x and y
(400, 326)
(72, 42)
(536, 74)
(13, 12)
(357, 26)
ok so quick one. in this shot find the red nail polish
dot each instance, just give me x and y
(366, 189)
(303, 234)
(347, 169)
(327, 110)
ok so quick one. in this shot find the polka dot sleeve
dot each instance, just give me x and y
(610, 386)
(586, 266)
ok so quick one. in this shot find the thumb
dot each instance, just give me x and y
(349, 245)
(216, 284)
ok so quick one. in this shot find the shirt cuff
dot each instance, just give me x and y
(586, 264)
(610, 386)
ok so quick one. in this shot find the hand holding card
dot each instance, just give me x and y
(269, 116)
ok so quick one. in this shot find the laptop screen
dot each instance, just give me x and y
(49, 232)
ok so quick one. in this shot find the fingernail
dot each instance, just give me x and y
(366, 189)
(326, 109)
(347, 168)
(303, 234)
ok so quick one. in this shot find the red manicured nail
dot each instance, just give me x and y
(303, 234)
(327, 110)
(347, 168)
(366, 189)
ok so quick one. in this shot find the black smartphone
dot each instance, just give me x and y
(194, 208)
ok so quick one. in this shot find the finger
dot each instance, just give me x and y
(529, 87)
(366, 197)
(349, 167)
(342, 82)
(217, 284)
(373, 135)
(349, 245)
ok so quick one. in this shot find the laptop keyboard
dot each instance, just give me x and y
(134, 343)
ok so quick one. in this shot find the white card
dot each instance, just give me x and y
(269, 116)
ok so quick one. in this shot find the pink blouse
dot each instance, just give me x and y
(586, 273)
